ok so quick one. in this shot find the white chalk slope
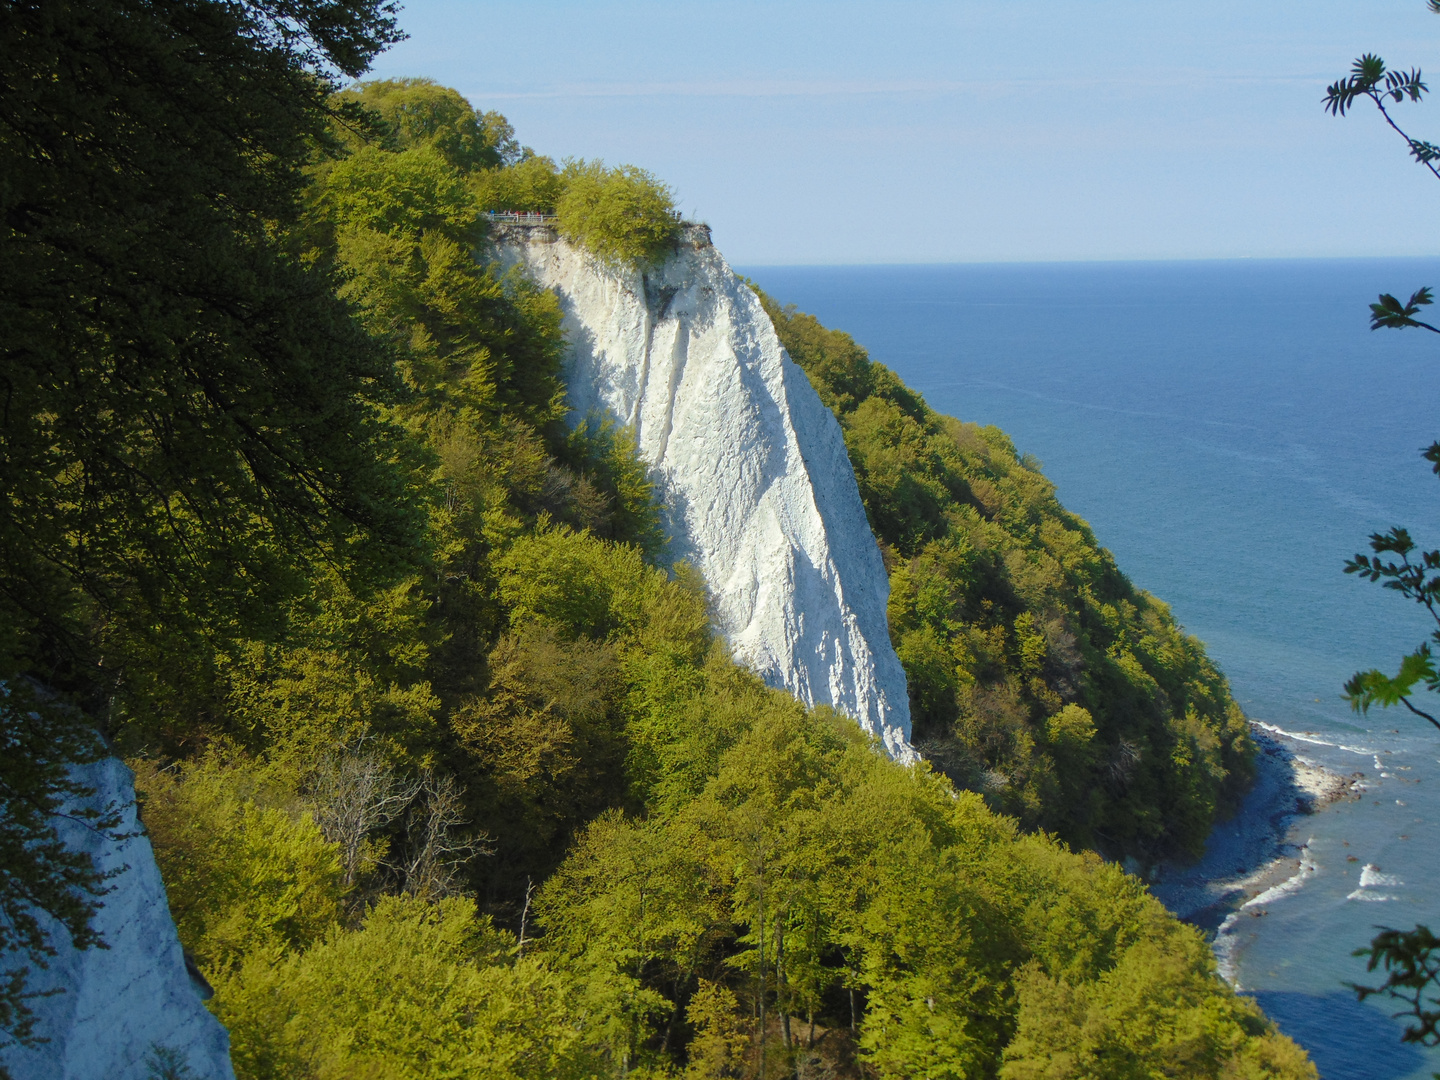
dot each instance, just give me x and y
(122, 1003)
(751, 467)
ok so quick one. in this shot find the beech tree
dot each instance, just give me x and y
(624, 215)
(189, 411)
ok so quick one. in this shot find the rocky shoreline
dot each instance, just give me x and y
(1254, 857)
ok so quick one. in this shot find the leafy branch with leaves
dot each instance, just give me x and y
(1414, 574)
(1416, 579)
(1369, 78)
(1411, 958)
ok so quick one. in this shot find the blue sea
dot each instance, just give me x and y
(1233, 431)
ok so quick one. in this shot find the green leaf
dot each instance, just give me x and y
(1374, 687)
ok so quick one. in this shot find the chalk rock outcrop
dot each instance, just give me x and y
(750, 465)
(123, 1005)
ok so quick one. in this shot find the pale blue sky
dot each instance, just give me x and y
(837, 132)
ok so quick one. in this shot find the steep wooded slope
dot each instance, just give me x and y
(1038, 674)
(749, 467)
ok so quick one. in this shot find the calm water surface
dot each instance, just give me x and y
(1233, 432)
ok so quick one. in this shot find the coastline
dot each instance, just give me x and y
(1257, 855)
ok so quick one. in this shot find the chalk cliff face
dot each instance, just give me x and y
(120, 1005)
(750, 466)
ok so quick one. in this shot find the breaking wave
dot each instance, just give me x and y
(1313, 739)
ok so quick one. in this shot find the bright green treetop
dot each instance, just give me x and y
(622, 214)
(419, 112)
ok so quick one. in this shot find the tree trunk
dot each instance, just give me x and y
(781, 997)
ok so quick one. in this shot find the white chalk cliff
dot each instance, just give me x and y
(120, 1005)
(750, 465)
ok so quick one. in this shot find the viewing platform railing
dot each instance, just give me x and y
(520, 217)
(694, 232)
(527, 217)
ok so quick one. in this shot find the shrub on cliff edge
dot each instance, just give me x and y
(622, 214)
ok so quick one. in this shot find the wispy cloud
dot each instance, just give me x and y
(775, 88)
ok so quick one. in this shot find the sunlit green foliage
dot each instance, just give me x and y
(418, 991)
(454, 664)
(421, 113)
(415, 988)
(401, 194)
(478, 351)
(566, 728)
(581, 588)
(624, 214)
(718, 1048)
(1155, 1013)
(809, 869)
(246, 869)
(1011, 621)
(606, 460)
(685, 861)
(532, 184)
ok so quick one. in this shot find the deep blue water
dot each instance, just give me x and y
(1233, 431)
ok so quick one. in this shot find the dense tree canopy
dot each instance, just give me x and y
(622, 214)
(421, 113)
(1038, 674)
(190, 415)
(445, 769)
(743, 881)
(693, 872)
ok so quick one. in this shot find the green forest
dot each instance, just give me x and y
(1038, 674)
(446, 771)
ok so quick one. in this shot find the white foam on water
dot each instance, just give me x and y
(1227, 942)
(1224, 947)
(1370, 877)
(1290, 885)
(1315, 739)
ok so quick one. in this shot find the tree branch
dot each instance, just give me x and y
(1419, 712)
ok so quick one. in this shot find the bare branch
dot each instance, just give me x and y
(436, 848)
(352, 795)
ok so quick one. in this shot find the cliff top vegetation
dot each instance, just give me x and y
(622, 214)
(446, 772)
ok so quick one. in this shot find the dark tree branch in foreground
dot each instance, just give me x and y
(1412, 966)
(190, 417)
(1417, 579)
(1390, 313)
(1410, 959)
(1369, 78)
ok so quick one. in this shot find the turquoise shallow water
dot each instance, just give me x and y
(1233, 432)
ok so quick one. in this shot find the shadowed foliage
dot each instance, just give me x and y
(1038, 674)
(446, 772)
